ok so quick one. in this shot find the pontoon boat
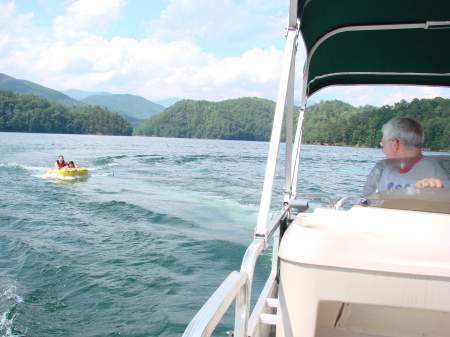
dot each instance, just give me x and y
(381, 268)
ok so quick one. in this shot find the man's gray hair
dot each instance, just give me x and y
(406, 130)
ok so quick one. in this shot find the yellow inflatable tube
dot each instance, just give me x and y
(76, 171)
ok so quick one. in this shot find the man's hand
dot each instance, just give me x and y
(429, 182)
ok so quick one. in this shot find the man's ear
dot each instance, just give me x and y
(396, 144)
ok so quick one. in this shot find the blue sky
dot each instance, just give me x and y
(158, 49)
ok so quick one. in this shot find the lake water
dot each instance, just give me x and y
(139, 246)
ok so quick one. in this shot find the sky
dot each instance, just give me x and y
(159, 49)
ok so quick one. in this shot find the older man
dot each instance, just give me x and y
(406, 166)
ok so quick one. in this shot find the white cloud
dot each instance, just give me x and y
(219, 21)
(73, 54)
(173, 61)
(85, 16)
(14, 27)
(19, 38)
(379, 95)
(256, 65)
(431, 92)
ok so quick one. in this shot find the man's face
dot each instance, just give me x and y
(388, 148)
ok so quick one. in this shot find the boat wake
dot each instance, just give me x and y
(39, 172)
(9, 301)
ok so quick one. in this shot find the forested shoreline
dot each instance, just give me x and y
(235, 119)
(30, 113)
(328, 122)
(338, 123)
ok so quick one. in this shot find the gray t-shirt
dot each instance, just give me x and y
(398, 177)
(403, 173)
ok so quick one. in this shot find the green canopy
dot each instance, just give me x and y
(375, 42)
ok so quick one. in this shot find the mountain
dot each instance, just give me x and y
(30, 113)
(134, 109)
(168, 101)
(242, 118)
(79, 94)
(27, 87)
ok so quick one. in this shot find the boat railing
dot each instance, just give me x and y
(352, 200)
(296, 204)
(238, 286)
(316, 196)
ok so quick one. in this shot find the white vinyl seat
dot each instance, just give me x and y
(365, 272)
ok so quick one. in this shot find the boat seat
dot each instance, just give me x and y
(365, 272)
(436, 200)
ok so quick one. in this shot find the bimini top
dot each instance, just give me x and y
(375, 42)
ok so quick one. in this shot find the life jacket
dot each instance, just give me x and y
(61, 165)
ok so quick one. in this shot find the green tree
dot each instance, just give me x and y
(29, 113)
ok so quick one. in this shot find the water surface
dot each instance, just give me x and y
(137, 247)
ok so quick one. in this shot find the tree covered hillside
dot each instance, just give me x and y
(328, 122)
(241, 118)
(27, 87)
(134, 109)
(339, 123)
(29, 113)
